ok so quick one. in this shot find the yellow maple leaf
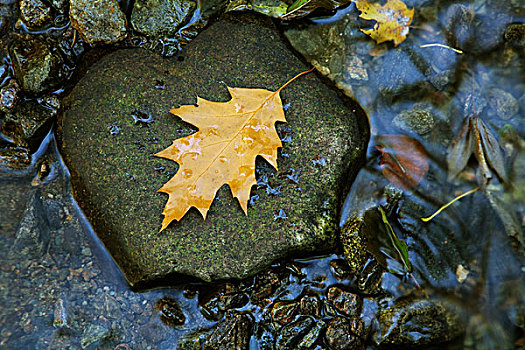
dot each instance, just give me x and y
(231, 135)
(392, 20)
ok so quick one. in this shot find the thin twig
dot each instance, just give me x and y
(443, 46)
(449, 203)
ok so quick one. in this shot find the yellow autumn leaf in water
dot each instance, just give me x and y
(231, 135)
(392, 20)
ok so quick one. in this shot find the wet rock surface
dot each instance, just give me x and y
(14, 158)
(7, 15)
(35, 13)
(8, 95)
(170, 312)
(228, 244)
(36, 67)
(215, 305)
(342, 334)
(27, 124)
(418, 120)
(503, 103)
(293, 333)
(32, 235)
(94, 336)
(232, 333)
(158, 18)
(416, 323)
(98, 22)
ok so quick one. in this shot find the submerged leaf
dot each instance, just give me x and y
(508, 217)
(404, 161)
(302, 8)
(492, 150)
(393, 20)
(460, 151)
(476, 138)
(383, 244)
(231, 135)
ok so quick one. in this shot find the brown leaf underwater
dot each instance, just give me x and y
(404, 161)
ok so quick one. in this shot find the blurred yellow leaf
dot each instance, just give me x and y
(393, 20)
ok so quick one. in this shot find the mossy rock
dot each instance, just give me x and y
(115, 177)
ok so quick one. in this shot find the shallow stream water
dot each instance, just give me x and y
(60, 289)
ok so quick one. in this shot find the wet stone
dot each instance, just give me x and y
(355, 69)
(470, 30)
(35, 13)
(515, 35)
(8, 95)
(14, 158)
(310, 305)
(340, 269)
(114, 175)
(490, 28)
(227, 297)
(32, 234)
(27, 124)
(98, 22)
(60, 318)
(60, 5)
(292, 334)
(170, 312)
(36, 67)
(231, 334)
(398, 75)
(417, 322)
(503, 103)
(283, 312)
(264, 286)
(93, 335)
(312, 336)
(157, 18)
(354, 245)
(417, 120)
(457, 22)
(7, 16)
(345, 302)
(341, 334)
(193, 341)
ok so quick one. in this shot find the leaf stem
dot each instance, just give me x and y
(418, 286)
(74, 39)
(443, 46)
(449, 203)
(297, 76)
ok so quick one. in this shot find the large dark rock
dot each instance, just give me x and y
(115, 177)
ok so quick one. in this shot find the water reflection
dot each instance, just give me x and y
(427, 92)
